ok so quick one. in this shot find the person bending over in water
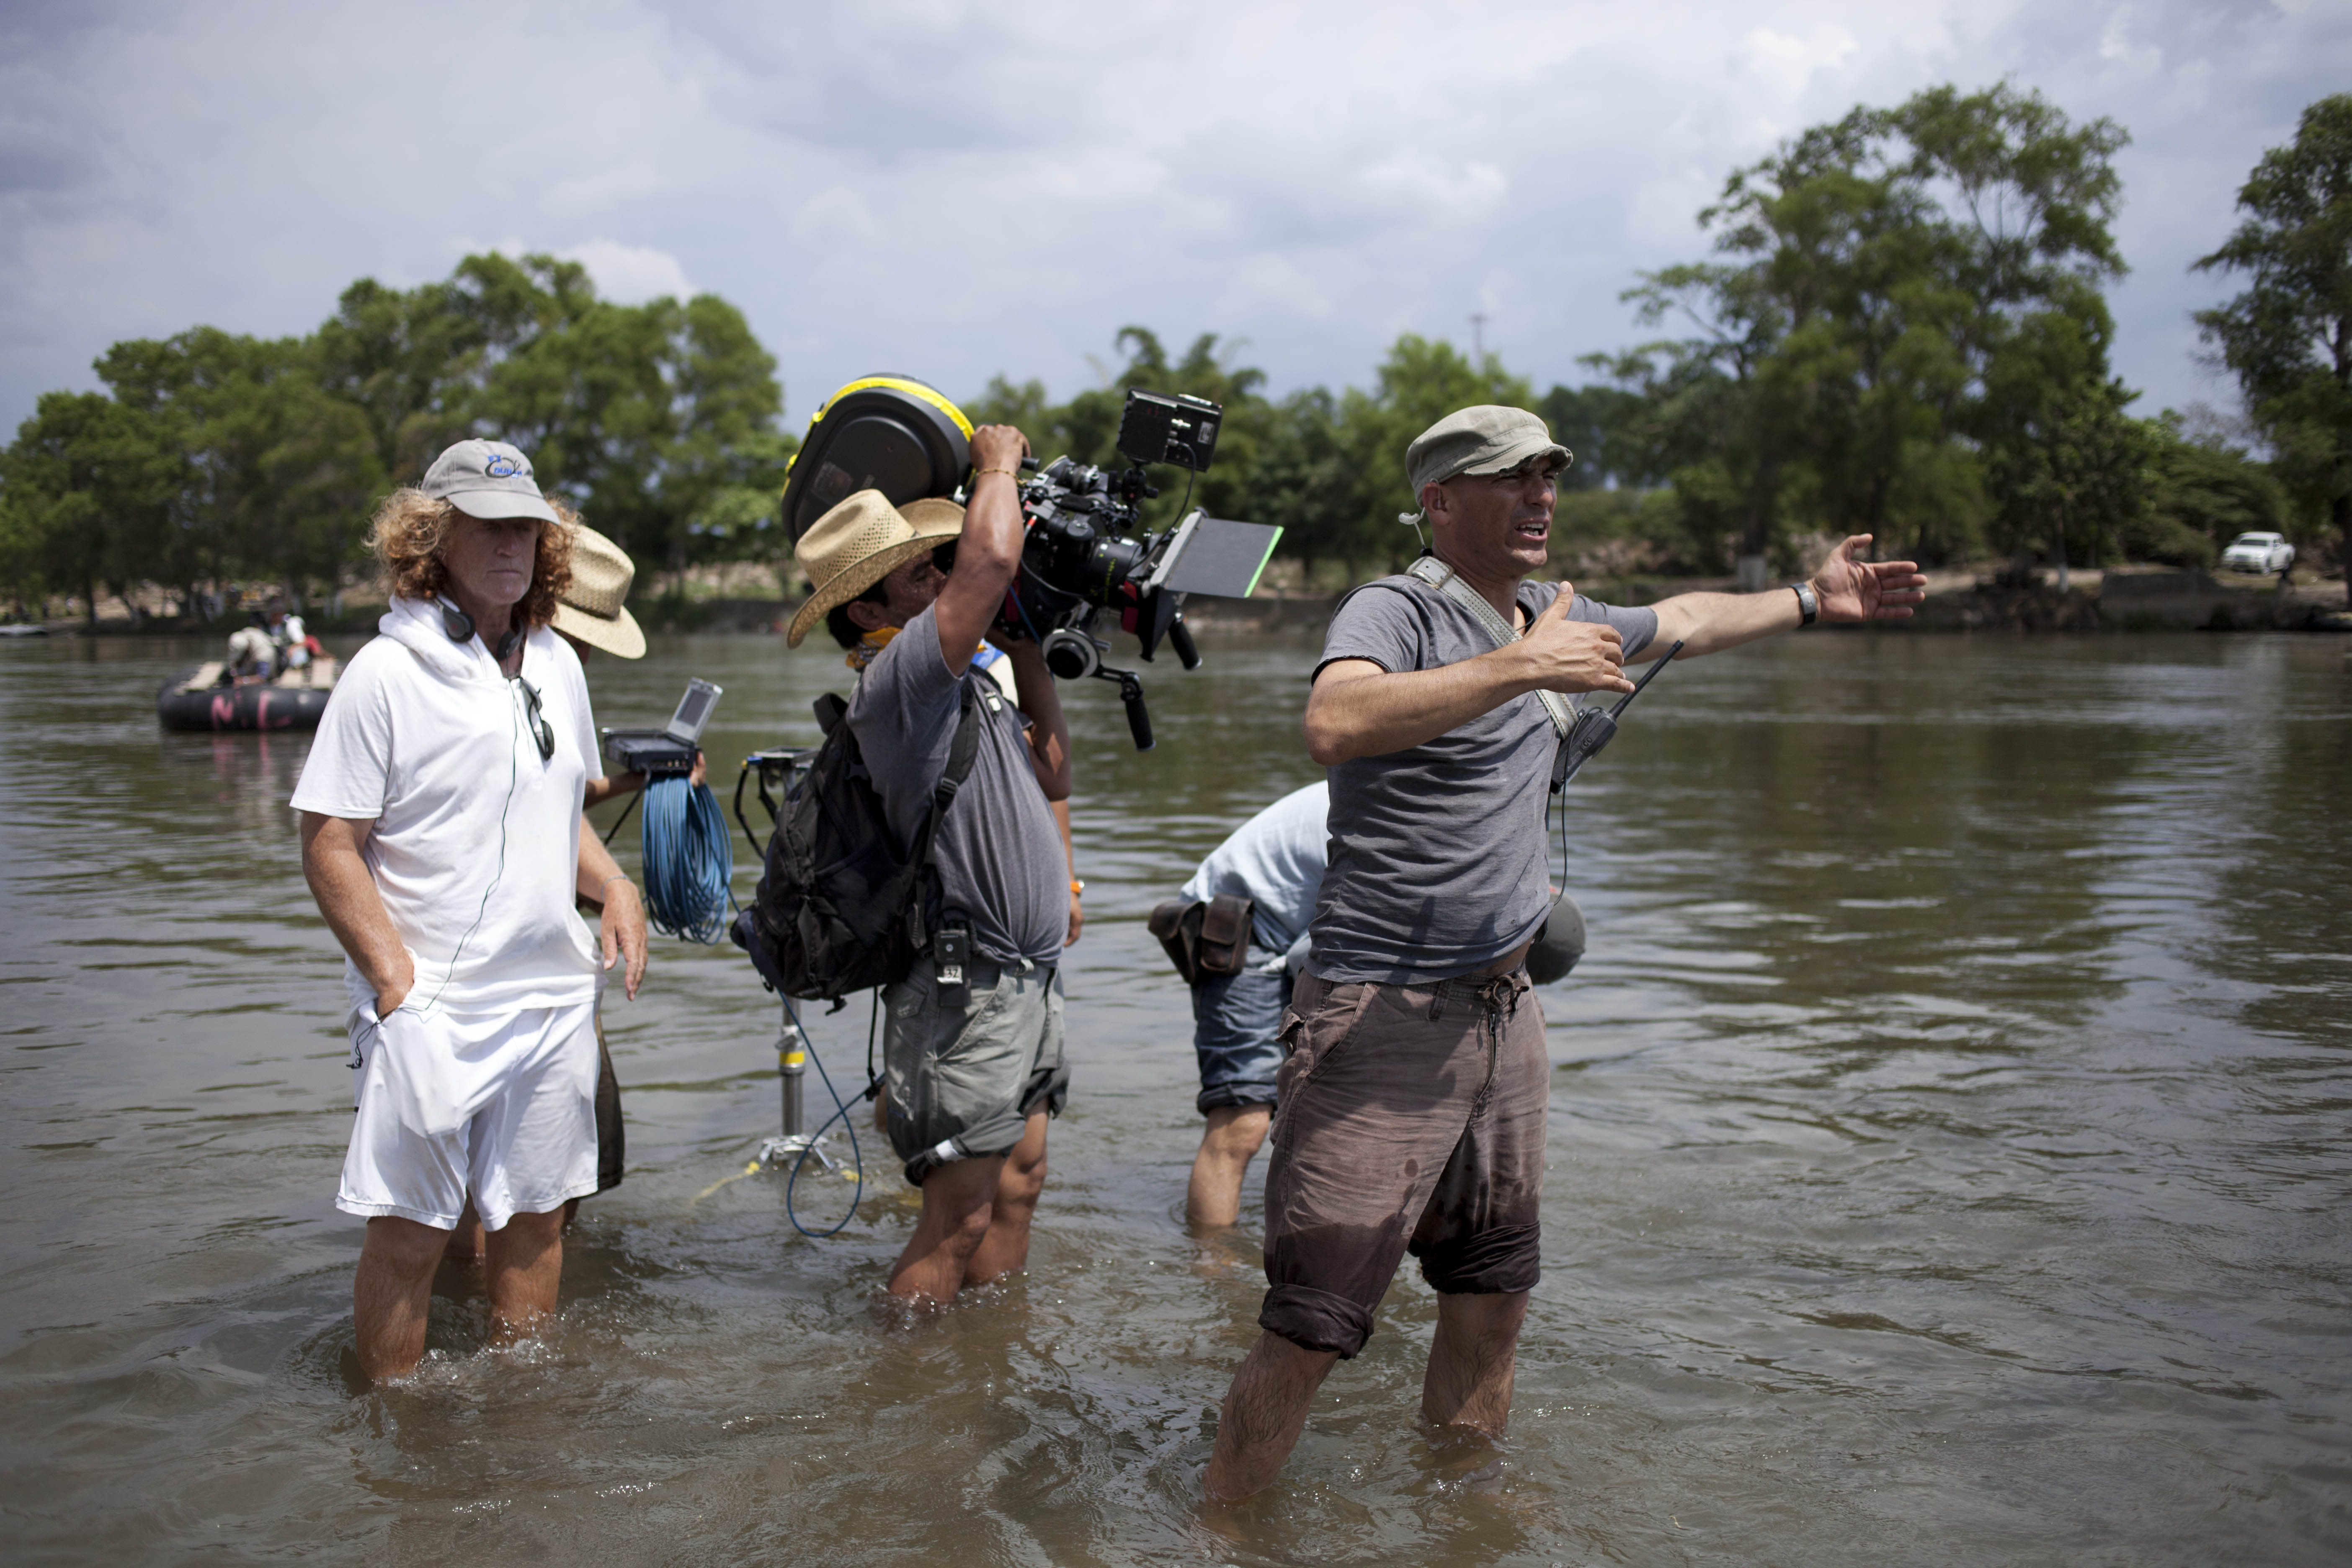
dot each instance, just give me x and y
(1274, 861)
(974, 1071)
(1415, 1087)
(443, 837)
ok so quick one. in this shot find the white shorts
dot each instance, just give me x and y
(500, 1104)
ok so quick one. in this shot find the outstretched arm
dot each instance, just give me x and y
(1850, 589)
(1358, 709)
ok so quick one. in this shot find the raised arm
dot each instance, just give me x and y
(1358, 709)
(989, 551)
(1850, 590)
(347, 896)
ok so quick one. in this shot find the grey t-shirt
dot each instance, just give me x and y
(1437, 853)
(1001, 861)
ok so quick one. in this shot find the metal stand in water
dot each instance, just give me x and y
(791, 1071)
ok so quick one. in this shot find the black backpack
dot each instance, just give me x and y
(840, 908)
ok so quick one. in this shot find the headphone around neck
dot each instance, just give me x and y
(460, 627)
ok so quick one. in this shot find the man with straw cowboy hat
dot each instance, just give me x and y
(973, 1072)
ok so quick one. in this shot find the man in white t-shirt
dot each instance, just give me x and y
(443, 838)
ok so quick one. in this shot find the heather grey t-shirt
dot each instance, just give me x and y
(1437, 853)
(1001, 861)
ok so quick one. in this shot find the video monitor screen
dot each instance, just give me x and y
(693, 711)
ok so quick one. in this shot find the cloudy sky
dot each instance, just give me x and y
(953, 189)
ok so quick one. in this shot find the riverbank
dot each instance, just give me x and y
(2123, 599)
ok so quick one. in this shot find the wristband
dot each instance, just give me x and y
(1076, 886)
(615, 877)
(1807, 607)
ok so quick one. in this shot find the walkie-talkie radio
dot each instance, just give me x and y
(669, 751)
(1596, 727)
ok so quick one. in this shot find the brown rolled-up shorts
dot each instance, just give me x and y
(1412, 1119)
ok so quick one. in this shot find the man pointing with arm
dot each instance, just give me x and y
(1415, 1090)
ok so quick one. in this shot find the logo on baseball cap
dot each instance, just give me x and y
(486, 480)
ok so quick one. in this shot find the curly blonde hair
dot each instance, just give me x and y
(411, 528)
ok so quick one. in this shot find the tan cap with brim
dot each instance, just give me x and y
(592, 609)
(860, 542)
(1487, 439)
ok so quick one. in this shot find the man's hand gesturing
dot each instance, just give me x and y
(1852, 589)
(1573, 656)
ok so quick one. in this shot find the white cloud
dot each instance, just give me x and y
(956, 188)
(1790, 63)
(631, 274)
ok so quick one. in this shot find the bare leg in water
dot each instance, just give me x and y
(1212, 1199)
(1471, 1364)
(1005, 1250)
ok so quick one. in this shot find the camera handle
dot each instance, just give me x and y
(1130, 692)
(1180, 637)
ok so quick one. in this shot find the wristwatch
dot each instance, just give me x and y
(1808, 606)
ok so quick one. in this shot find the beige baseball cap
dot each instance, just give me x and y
(1486, 439)
(486, 480)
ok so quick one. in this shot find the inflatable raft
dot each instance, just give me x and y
(198, 701)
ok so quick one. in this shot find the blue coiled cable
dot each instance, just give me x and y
(690, 859)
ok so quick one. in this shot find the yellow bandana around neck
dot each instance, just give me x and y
(872, 643)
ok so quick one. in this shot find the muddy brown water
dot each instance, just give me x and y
(1948, 1164)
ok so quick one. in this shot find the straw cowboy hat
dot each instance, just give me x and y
(590, 608)
(861, 541)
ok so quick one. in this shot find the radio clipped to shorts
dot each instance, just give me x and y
(669, 751)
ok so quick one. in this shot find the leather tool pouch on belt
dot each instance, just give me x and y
(1204, 940)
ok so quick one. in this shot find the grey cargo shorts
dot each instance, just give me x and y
(1413, 1119)
(964, 1081)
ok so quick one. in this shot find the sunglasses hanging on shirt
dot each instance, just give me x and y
(542, 731)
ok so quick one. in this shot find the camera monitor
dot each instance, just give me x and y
(668, 751)
(1156, 428)
(684, 726)
(886, 433)
(1217, 557)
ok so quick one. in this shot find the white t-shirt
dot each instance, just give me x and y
(1276, 860)
(475, 846)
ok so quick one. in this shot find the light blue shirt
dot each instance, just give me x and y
(1275, 859)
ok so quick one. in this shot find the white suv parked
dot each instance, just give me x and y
(2265, 552)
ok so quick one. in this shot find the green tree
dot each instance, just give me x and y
(2078, 478)
(1893, 287)
(2288, 337)
(276, 474)
(82, 476)
(1419, 382)
(2202, 494)
(1587, 420)
(1308, 484)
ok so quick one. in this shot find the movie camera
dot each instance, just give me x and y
(1087, 563)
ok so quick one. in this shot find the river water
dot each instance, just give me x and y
(1948, 1164)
